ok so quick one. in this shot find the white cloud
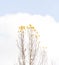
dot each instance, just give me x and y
(47, 27)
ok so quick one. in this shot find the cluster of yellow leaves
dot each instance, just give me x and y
(30, 27)
(22, 28)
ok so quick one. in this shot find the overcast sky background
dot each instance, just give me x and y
(44, 15)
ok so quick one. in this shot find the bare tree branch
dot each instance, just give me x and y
(32, 44)
(20, 45)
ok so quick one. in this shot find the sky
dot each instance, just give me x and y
(42, 7)
(44, 15)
